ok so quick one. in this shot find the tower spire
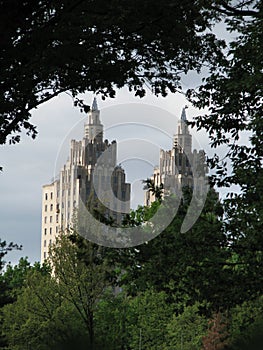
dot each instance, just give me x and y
(183, 114)
(183, 138)
(94, 105)
(93, 127)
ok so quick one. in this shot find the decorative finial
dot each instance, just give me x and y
(94, 105)
(183, 115)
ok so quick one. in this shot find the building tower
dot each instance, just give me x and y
(179, 166)
(61, 198)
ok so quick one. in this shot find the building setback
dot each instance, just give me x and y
(180, 166)
(61, 198)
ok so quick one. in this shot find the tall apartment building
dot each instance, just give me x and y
(180, 166)
(61, 198)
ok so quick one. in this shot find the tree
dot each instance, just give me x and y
(40, 318)
(111, 322)
(58, 310)
(246, 325)
(4, 249)
(48, 48)
(191, 267)
(185, 331)
(157, 191)
(148, 316)
(5, 288)
(217, 337)
(83, 274)
(233, 95)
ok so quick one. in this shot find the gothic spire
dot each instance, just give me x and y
(183, 115)
(94, 105)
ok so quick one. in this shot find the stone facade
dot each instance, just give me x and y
(89, 159)
(180, 166)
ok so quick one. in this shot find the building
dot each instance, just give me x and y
(180, 166)
(90, 172)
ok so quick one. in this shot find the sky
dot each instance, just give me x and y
(140, 126)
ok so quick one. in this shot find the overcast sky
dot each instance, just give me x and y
(141, 127)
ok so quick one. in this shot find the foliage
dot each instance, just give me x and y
(83, 275)
(4, 249)
(48, 48)
(111, 321)
(217, 337)
(246, 325)
(40, 319)
(185, 331)
(157, 191)
(5, 287)
(141, 215)
(232, 94)
(147, 319)
(189, 266)
(57, 311)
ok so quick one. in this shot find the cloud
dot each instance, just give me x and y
(32, 163)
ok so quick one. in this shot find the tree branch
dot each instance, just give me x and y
(233, 11)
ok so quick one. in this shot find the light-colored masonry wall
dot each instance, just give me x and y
(50, 218)
(180, 166)
(60, 199)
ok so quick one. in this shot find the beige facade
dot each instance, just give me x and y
(180, 166)
(50, 217)
(91, 170)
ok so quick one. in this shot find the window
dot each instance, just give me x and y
(46, 196)
(180, 160)
(56, 229)
(68, 204)
(50, 230)
(57, 219)
(45, 255)
(50, 241)
(45, 231)
(45, 207)
(51, 195)
(51, 207)
(45, 220)
(50, 219)
(45, 243)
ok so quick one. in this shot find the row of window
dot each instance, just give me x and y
(45, 242)
(50, 219)
(46, 196)
(50, 230)
(51, 206)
